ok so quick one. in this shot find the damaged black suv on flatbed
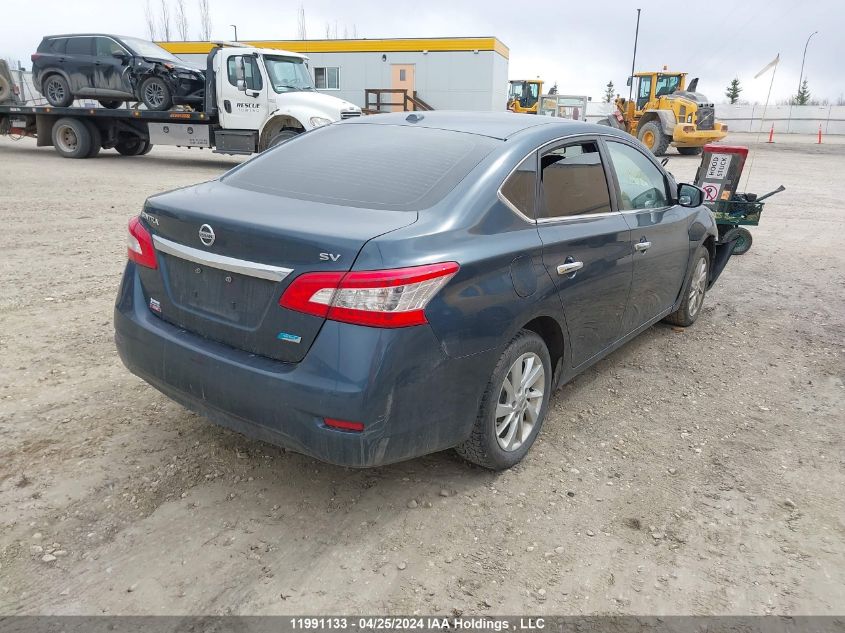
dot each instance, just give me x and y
(114, 69)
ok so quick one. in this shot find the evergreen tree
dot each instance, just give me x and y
(608, 92)
(803, 96)
(733, 90)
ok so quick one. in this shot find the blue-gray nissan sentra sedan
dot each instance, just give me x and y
(400, 284)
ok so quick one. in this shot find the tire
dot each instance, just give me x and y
(57, 91)
(131, 147)
(111, 104)
(281, 137)
(695, 289)
(651, 135)
(689, 151)
(96, 139)
(147, 147)
(507, 447)
(5, 90)
(155, 94)
(743, 240)
(71, 138)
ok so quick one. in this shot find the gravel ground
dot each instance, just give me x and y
(694, 471)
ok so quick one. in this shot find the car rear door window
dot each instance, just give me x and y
(395, 167)
(520, 187)
(573, 182)
(641, 184)
(80, 46)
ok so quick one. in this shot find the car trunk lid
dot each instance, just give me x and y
(224, 264)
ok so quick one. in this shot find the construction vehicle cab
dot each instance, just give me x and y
(664, 111)
(524, 94)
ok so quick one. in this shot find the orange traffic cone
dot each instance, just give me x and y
(772, 133)
(820, 134)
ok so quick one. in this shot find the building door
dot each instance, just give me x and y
(401, 78)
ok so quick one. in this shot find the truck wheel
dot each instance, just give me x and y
(71, 138)
(514, 405)
(131, 147)
(281, 137)
(96, 139)
(692, 297)
(57, 91)
(689, 151)
(147, 147)
(156, 95)
(112, 104)
(652, 136)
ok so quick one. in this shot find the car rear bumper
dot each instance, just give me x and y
(412, 398)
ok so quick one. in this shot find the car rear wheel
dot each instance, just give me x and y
(156, 95)
(57, 91)
(71, 138)
(514, 405)
(692, 299)
(111, 104)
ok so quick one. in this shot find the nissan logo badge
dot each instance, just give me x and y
(206, 235)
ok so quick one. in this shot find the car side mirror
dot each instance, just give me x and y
(121, 56)
(242, 85)
(690, 195)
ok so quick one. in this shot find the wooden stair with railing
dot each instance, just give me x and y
(409, 101)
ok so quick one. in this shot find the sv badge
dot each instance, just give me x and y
(325, 257)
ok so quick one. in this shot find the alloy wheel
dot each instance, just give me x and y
(520, 401)
(55, 91)
(698, 286)
(154, 93)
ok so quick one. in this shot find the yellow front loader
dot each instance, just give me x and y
(524, 94)
(664, 112)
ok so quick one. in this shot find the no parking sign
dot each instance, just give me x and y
(720, 171)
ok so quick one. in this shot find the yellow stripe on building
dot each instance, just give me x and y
(356, 46)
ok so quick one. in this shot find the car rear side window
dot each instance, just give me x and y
(80, 46)
(641, 183)
(376, 166)
(573, 182)
(54, 45)
(520, 187)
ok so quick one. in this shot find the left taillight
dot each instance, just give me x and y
(377, 298)
(140, 245)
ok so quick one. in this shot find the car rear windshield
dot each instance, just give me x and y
(393, 167)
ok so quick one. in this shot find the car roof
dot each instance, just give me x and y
(50, 37)
(498, 125)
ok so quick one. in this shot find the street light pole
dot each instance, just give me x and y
(634, 60)
(235, 26)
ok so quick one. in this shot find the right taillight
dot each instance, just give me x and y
(378, 298)
(140, 245)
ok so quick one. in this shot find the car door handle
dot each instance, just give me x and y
(642, 246)
(569, 267)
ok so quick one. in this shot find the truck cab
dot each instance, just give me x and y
(265, 96)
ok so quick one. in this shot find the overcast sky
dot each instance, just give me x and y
(580, 45)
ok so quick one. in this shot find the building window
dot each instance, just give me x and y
(401, 74)
(327, 78)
